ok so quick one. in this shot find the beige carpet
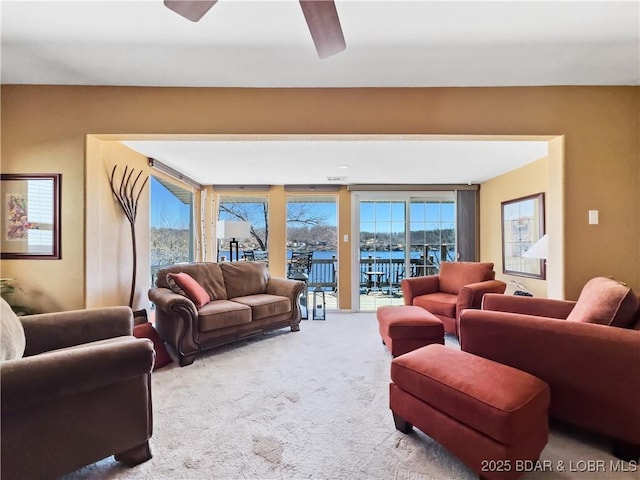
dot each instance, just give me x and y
(307, 405)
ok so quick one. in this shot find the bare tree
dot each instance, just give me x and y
(300, 214)
(254, 213)
(257, 213)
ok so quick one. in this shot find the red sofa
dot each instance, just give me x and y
(457, 286)
(587, 351)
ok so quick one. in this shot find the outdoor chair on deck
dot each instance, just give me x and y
(260, 256)
(299, 268)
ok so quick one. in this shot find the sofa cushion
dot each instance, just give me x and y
(244, 278)
(12, 339)
(438, 303)
(605, 301)
(146, 330)
(191, 288)
(264, 305)
(455, 275)
(173, 285)
(207, 274)
(222, 313)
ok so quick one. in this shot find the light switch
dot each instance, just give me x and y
(593, 217)
(345, 238)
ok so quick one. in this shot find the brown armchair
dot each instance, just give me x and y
(80, 393)
(457, 286)
(593, 369)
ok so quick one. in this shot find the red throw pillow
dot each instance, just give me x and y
(146, 330)
(193, 289)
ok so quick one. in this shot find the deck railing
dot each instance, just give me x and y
(389, 272)
(323, 274)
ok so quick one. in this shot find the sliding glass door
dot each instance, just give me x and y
(399, 235)
(433, 234)
(382, 252)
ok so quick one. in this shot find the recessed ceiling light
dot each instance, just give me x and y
(344, 166)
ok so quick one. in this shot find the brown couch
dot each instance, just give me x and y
(588, 351)
(457, 286)
(244, 300)
(79, 392)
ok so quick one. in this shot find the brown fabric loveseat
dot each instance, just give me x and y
(587, 351)
(241, 299)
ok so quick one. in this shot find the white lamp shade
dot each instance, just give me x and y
(540, 249)
(231, 229)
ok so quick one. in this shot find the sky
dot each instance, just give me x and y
(166, 209)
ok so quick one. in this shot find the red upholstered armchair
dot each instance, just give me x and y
(587, 351)
(457, 286)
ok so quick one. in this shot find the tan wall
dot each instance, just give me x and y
(344, 249)
(44, 129)
(528, 180)
(109, 249)
(108, 246)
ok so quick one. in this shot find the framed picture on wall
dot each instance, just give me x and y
(30, 216)
(522, 226)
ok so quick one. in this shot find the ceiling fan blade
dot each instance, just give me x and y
(324, 25)
(191, 10)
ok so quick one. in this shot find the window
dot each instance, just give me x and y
(252, 209)
(171, 233)
(312, 227)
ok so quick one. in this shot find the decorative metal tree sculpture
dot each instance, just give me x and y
(126, 195)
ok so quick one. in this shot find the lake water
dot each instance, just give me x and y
(324, 255)
(323, 273)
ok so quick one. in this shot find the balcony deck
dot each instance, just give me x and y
(368, 302)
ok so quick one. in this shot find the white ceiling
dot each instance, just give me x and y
(391, 43)
(267, 44)
(342, 160)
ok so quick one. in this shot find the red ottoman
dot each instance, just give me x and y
(491, 416)
(406, 327)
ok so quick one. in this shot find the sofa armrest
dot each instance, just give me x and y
(176, 322)
(587, 355)
(415, 286)
(470, 296)
(292, 289)
(593, 370)
(284, 287)
(49, 376)
(171, 302)
(542, 307)
(51, 331)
